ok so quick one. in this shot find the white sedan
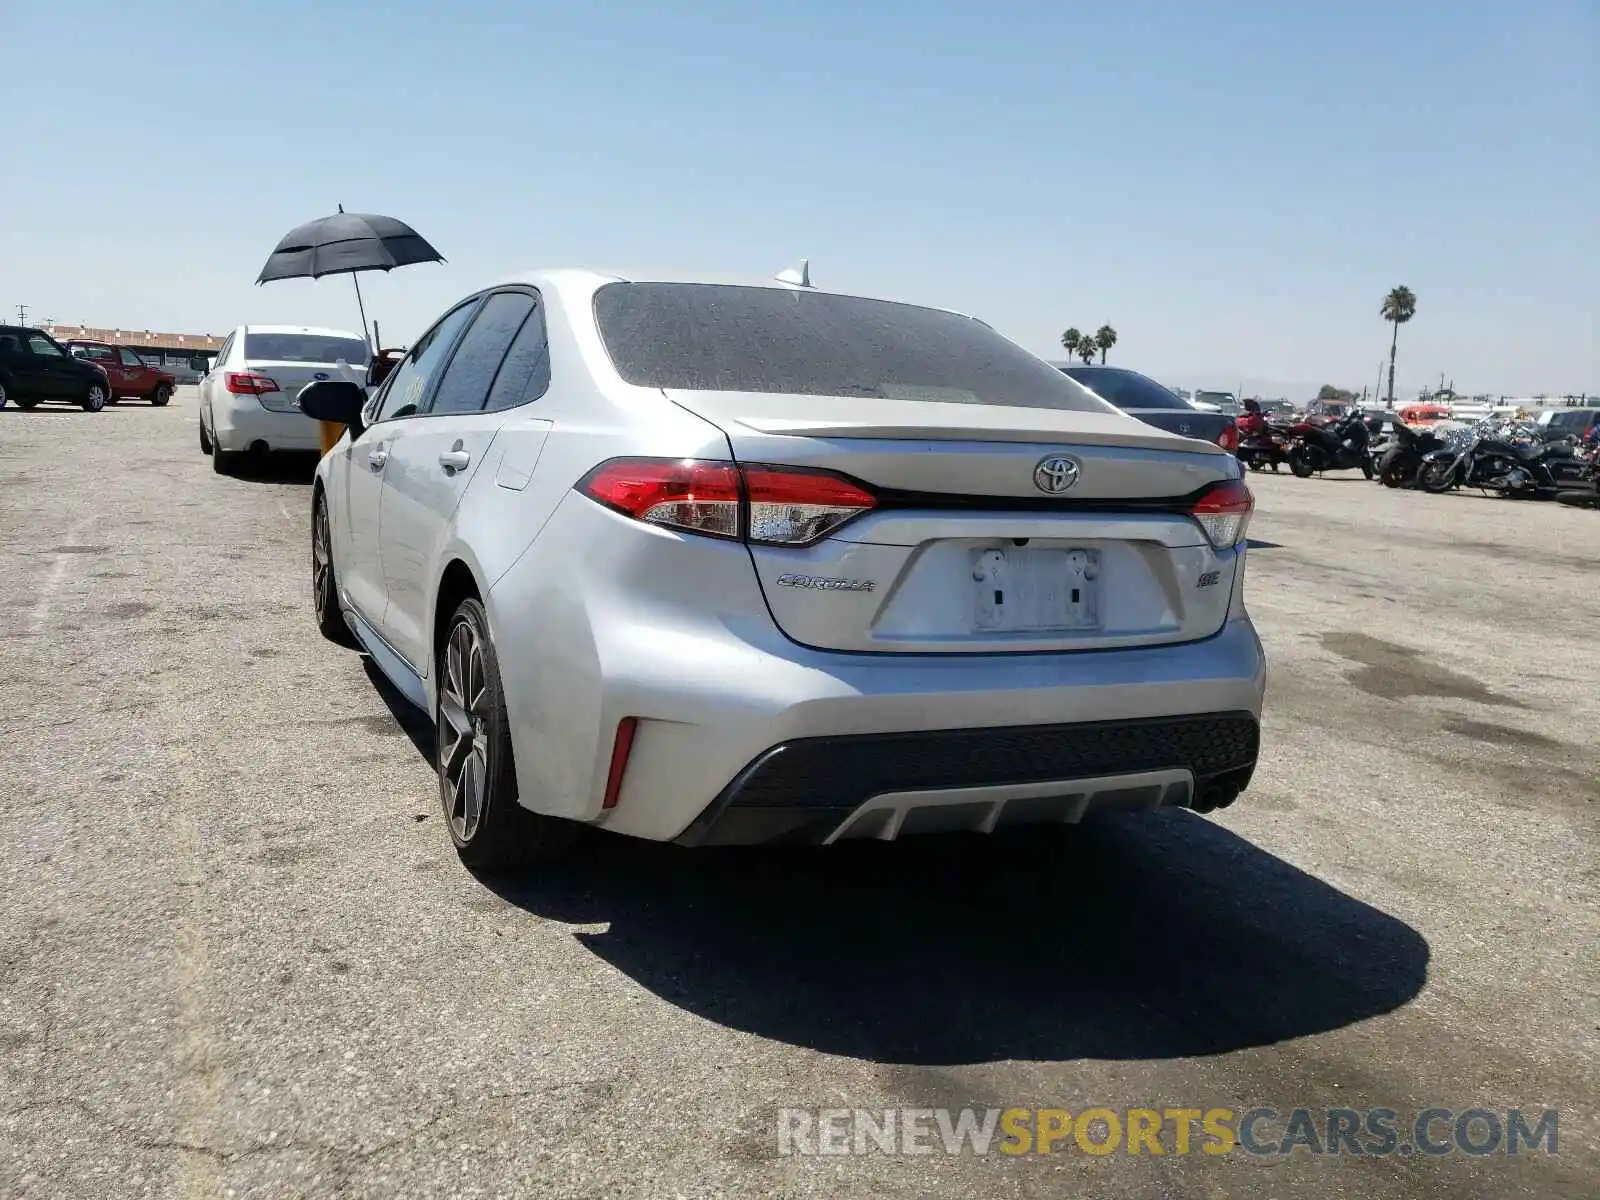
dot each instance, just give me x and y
(735, 564)
(247, 397)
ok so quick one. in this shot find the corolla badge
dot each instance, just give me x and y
(1056, 474)
(826, 583)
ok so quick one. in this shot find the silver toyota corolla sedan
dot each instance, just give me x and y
(730, 564)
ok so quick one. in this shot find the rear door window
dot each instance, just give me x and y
(525, 374)
(464, 387)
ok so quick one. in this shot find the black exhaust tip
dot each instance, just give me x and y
(1215, 795)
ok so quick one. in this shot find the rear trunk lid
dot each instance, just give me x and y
(1205, 426)
(292, 376)
(967, 551)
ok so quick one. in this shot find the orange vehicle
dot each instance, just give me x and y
(1424, 414)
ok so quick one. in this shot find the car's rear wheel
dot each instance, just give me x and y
(205, 438)
(223, 462)
(161, 395)
(95, 398)
(324, 582)
(477, 774)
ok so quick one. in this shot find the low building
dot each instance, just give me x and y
(175, 352)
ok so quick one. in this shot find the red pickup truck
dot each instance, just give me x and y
(129, 374)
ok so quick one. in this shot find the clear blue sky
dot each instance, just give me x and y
(1234, 186)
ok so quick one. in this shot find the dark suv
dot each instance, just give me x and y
(34, 367)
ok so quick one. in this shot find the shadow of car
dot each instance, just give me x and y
(1152, 937)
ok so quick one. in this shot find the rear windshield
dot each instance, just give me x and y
(304, 347)
(718, 337)
(1126, 389)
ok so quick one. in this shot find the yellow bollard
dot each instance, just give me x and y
(330, 432)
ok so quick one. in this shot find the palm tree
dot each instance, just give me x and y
(1087, 349)
(1105, 337)
(1072, 339)
(1399, 306)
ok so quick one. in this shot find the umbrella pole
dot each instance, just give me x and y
(365, 334)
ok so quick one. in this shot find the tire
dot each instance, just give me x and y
(1436, 477)
(474, 751)
(1575, 499)
(224, 462)
(1301, 463)
(26, 402)
(95, 398)
(1394, 467)
(324, 582)
(5, 395)
(205, 438)
(159, 397)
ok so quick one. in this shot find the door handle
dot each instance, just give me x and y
(454, 460)
(377, 457)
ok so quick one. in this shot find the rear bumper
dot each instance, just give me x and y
(604, 619)
(881, 786)
(240, 423)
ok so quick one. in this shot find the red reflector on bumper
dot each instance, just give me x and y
(620, 749)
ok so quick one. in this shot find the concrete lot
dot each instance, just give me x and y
(238, 957)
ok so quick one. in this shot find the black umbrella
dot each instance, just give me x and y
(343, 244)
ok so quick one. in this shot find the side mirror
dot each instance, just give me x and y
(337, 401)
(198, 363)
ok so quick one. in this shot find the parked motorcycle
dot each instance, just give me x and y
(1340, 446)
(1402, 455)
(1262, 444)
(1507, 459)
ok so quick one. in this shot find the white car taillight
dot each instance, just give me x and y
(1224, 513)
(245, 383)
(766, 505)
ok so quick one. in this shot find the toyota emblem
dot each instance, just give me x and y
(1056, 474)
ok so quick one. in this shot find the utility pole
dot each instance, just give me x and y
(22, 314)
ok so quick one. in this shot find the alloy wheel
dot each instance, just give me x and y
(321, 563)
(463, 731)
(96, 399)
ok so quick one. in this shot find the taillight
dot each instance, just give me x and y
(795, 508)
(767, 505)
(243, 383)
(700, 497)
(1228, 439)
(1224, 512)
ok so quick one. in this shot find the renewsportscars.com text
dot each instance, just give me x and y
(1262, 1132)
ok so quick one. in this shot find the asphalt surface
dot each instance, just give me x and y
(239, 958)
